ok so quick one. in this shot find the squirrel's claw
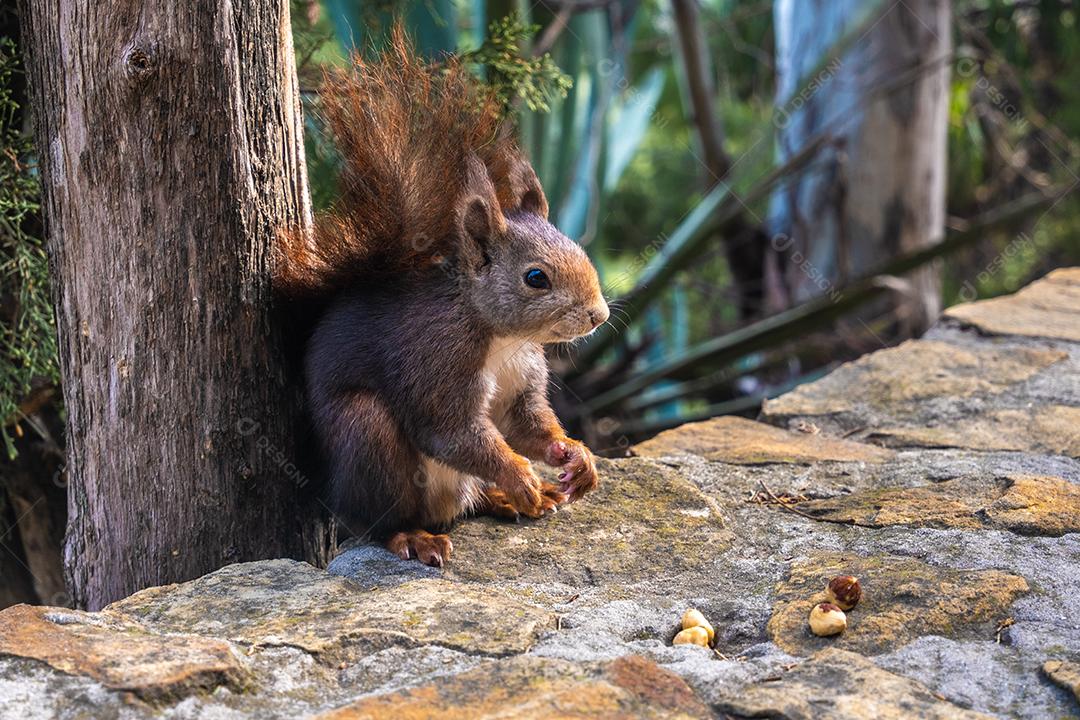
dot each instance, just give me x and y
(433, 550)
(579, 468)
(498, 503)
(551, 497)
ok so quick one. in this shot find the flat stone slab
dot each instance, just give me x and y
(527, 687)
(1048, 308)
(897, 379)
(284, 602)
(1065, 674)
(842, 685)
(643, 520)
(733, 439)
(1025, 504)
(121, 656)
(1046, 430)
(955, 391)
(902, 599)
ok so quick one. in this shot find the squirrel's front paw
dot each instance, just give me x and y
(522, 489)
(578, 465)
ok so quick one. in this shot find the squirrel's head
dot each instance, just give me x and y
(525, 277)
(539, 283)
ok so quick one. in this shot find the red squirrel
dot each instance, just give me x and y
(441, 280)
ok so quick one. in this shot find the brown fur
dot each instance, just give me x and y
(425, 373)
(409, 134)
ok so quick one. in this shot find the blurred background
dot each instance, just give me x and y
(768, 188)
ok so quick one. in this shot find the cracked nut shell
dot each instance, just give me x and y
(844, 591)
(694, 618)
(827, 619)
(692, 636)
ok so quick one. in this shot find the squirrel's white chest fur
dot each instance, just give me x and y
(508, 368)
(510, 364)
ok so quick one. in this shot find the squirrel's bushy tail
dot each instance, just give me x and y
(406, 131)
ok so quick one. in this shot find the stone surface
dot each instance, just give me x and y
(1047, 308)
(1066, 674)
(120, 656)
(643, 519)
(737, 440)
(842, 685)
(951, 389)
(1050, 429)
(902, 599)
(284, 602)
(965, 532)
(1025, 504)
(630, 686)
(914, 371)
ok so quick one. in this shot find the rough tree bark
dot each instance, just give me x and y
(171, 149)
(881, 190)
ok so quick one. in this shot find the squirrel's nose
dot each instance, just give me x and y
(598, 316)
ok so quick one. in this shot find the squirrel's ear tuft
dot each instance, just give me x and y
(533, 202)
(477, 227)
(478, 207)
(516, 183)
(478, 212)
(528, 194)
(478, 215)
(476, 219)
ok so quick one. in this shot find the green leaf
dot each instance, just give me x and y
(630, 117)
(818, 311)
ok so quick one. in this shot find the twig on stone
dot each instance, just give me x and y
(1001, 627)
(783, 503)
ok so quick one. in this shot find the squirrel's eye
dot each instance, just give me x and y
(536, 278)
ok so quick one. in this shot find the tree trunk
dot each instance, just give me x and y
(881, 189)
(171, 150)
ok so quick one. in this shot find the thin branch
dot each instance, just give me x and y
(689, 32)
(783, 503)
(553, 31)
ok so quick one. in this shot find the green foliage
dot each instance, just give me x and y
(514, 73)
(1013, 119)
(27, 330)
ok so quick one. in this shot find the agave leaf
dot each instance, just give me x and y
(628, 123)
(698, 386)
(650, 426)
(582, 133)
(688, 241)
(820, 310)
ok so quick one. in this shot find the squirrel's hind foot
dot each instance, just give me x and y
(433, 550)
(497, 503)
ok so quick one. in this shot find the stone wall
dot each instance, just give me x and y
(944, 473)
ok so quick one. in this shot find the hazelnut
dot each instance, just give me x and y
(844, 591)
(827, 619)
(692, 636)
(694, 618)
